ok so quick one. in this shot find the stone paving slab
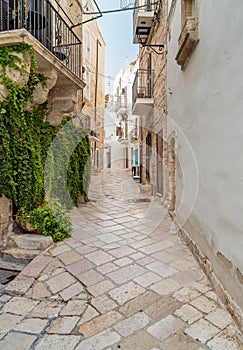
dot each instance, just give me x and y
(127, 273)
(60, 282)
(60, 342)
(120, 282)
(100, 323)
(47, 309)
(74, 308)
(20, 285)
(139, 340)
(71, 291)
(19, 306)
(36, 266)
(139, 303)
(17, 341)
(40, 291)
(132, 324)
(32, 325)
(101, 288)
(202, 330)
(8, 322)
(63, 325)
(99, 341)
(162, 329)
(126, 292)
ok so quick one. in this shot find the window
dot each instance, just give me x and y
(87, 87)
(188, 9)
(88, 44)
(126, 129)
(189, 36)
(136, 128)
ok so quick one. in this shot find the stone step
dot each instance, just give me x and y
(22, 253)
(10, 263)
(30, 241)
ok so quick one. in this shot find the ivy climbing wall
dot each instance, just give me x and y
(40, 194)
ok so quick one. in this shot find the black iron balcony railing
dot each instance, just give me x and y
(122, 102)
(41, 19)
(143, 86)
(143, 6)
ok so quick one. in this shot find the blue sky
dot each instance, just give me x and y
(117, 31)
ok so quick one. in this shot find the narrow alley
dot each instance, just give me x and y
(121, 175)
(124, 280)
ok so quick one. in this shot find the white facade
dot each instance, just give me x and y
(121, 140)
(205, 113)
(113, 157)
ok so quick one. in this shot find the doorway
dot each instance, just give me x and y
(172, 175)
(159, 154)
(148, 155)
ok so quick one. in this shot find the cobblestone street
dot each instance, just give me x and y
(125, 280)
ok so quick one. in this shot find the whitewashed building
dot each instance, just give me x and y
(205, 84)
(121, 142)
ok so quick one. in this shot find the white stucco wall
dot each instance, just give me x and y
(116, 151)
(113, 118)
(207, 106)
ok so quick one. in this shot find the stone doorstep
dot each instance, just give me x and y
(18, 253)
(30, 241)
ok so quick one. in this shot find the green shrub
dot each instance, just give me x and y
(52, 221)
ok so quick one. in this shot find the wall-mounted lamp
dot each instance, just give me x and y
(142, 33)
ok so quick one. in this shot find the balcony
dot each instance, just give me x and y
(122, 136)
(143, 92)
(94, 136)
(187, 41)
(143, 16)
(120, 105)
(40, 24)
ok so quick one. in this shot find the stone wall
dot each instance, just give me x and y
(5, 219)
(60, 101)
(94, 76)
(157, 124)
